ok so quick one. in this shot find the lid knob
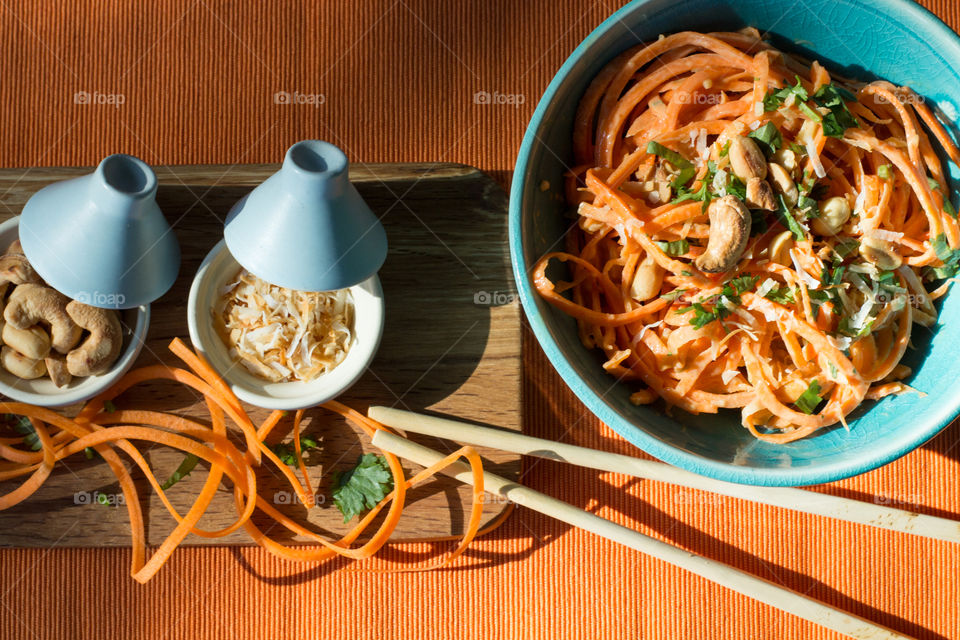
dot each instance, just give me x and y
(306, 227)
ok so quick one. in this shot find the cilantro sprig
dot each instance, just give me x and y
(773, 101)
(719, 304)
(834, 98)
(288, 453)
(363, 486)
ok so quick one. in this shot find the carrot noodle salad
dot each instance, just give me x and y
(753, 233)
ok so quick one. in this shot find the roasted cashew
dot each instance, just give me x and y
(729, 233)
(15, 269)
(32, 342)
(746, 158)
(15, 249)
(99, 351)
(57, 369)
(20, 365)
(760, 195)
(30, 304)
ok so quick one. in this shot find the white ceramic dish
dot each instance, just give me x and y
(217, 270)
(42, 391)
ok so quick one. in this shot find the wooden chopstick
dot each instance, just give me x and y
(749, 585)
(875, 515)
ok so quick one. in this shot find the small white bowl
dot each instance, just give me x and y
(41, 391)
(217, 271)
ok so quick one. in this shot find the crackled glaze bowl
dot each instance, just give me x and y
(894, 39)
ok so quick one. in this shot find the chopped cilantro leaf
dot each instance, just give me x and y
(885, 172)
(669, 155)
(780, 295)
(948, 208)
(772, 101)
(182, 471)
(674, 248)
(786, 217)
(768, 138)
(736, 187)
(810, 113)
(684, 176)
(809, 399)
(839, 119)
(673, 295)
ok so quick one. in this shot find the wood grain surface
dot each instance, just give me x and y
(451, 345)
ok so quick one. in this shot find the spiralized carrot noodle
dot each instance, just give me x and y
(230, 459)
(753, 234)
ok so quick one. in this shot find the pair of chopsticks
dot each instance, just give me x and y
(749, 585)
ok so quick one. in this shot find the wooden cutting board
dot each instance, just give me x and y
(451, 345)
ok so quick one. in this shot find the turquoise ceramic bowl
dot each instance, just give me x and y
(894, 39)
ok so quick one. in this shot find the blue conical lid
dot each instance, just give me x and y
(101, 238)
(306, 227)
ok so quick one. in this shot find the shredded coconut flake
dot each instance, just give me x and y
(729, 375)
(815, 159)
(883, 234)
(810, 281)
(284, 335)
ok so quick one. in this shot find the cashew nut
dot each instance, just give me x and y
(15, 269)
(760, 195)
(647, 280)
(746, 158)
(99, 351)
(30, 304)
(57, 369)
(780, 248)
(729, 233)
(834, 213)
(880, 253)
(32, 342)
(783, 184)
(20, 365)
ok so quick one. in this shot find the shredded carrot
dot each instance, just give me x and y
(830, 318)
(119, 430)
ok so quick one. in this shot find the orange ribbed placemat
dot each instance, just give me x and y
(198, 81)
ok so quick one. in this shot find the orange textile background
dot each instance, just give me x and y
(394, 80)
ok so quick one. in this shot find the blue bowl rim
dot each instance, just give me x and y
(910, 14)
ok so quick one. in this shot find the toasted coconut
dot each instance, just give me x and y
(281, 334)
